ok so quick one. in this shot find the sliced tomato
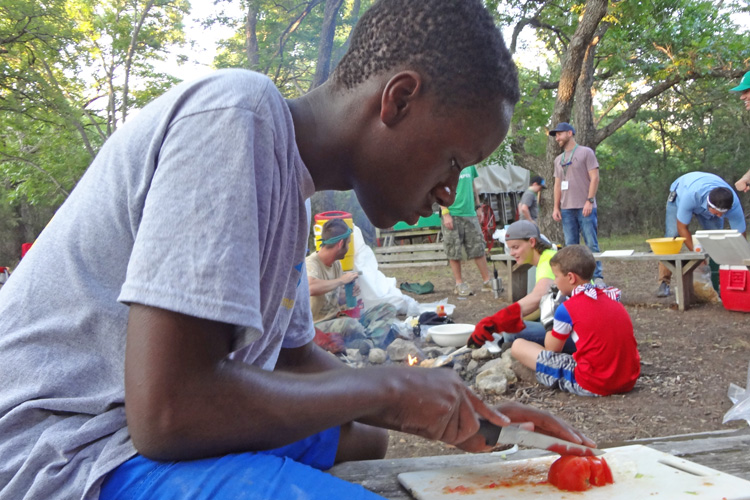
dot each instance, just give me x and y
(600, 472)
(572, 473)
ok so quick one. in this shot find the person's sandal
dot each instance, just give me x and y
(663, 290)
(462, 290)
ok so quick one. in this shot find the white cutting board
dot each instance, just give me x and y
(639, 473)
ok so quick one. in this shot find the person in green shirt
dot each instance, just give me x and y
(527, 246)
(461, 229)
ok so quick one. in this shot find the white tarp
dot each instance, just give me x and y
(501, 179)
(375, 287)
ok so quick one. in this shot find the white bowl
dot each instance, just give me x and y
(452, 335)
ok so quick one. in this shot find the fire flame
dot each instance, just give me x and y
(412, 359)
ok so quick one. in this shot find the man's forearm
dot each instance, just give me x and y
(321, 287)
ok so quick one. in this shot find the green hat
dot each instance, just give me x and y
(744, 84)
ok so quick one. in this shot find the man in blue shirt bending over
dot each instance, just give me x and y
(707, 197)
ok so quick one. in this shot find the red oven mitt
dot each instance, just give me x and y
(505, 320)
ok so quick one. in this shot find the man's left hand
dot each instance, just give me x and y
(588, 207)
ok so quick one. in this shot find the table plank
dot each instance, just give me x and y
(726, 451)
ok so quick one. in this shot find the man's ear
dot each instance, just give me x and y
(398, 94)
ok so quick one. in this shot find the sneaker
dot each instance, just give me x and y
(599, 283)
(663, 290)
(462, 290)
(487, 286)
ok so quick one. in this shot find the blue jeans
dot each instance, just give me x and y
(574, 223)
(535, 332)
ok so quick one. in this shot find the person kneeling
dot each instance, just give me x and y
(606, 360)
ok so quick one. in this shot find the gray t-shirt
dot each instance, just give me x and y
(196, 205)
(577, 175)
(529, 199)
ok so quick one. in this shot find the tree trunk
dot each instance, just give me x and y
(328, 30)
(572, 63)
(251, 37)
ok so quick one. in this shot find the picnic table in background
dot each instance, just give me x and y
(681, 264)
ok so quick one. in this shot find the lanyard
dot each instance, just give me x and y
(565, 164)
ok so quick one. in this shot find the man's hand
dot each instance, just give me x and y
(448, 221)
(743, 185)
(348, 277)
(588, 207)
(432, 403)
(505, 320)
(556, 215)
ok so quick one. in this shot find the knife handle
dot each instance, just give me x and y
(489, 431)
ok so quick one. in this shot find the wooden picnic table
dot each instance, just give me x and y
(682, 266)
(727, 451)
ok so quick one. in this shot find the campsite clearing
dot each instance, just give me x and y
(688, 360)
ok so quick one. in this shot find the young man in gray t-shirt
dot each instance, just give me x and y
(156, 341)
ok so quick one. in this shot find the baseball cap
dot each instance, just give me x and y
(562, 127)
(522, 230)
(744, 83)
(538, 180)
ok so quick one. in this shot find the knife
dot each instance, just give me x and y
(513, 434)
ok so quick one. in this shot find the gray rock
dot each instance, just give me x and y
(481, 353)
(400, 349)
(377, 356)
(492, 382)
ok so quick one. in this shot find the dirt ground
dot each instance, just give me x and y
(688, 360)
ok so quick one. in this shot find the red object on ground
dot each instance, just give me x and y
(488, 224)
(25, 247)
(734, 283)
(331, 342)
(572, 473)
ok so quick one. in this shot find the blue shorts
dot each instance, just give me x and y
(558, 369)
(290, 472)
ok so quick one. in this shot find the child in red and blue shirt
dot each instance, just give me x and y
(606, 360)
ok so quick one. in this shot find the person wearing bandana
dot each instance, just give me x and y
(710, 199)
(327, 280)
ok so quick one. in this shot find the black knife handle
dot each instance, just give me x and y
(489, 431)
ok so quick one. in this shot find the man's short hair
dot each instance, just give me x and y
(576, 259)
(331, 229)
(721, 197)
(454, 43)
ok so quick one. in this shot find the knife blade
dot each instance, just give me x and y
(512, 434)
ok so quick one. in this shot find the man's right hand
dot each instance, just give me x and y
(348, 277)
(556, 215)
(430, 402)
(448, 222)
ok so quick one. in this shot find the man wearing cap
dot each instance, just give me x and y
(743, 184)
(576, 183)
(528, 207)
(707, 197)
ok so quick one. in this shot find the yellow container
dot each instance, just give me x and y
(347, 263)
(666, 246)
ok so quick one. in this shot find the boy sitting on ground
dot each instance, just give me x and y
(606, 360)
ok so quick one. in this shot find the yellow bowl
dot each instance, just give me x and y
(666, 246)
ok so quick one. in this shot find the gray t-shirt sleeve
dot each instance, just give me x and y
(197, 247)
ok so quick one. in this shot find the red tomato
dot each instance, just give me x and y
(572, 473)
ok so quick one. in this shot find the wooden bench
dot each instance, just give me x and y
(395, 237)
(682, 266)
(425, 254)
(726, 451)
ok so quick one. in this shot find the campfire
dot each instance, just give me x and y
(412, 360)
